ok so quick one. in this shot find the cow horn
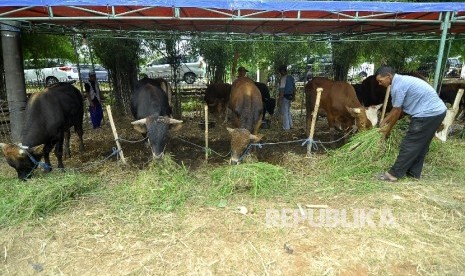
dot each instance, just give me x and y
(140, 122)
(356, 110)
(174, 121)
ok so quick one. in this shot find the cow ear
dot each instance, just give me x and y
(140, 125)
(255, 138)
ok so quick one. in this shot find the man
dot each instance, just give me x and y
(93, 97)
(241, 72)
(286, 96)
(418, 99)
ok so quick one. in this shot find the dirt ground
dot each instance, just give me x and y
(88, 239)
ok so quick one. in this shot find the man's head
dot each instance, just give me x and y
(282, 69)
(242, 71)
(384, 75)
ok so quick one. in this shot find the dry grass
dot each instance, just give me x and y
(101, 234)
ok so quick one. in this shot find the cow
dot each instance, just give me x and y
(49, 116)
(449, 91)
(246, 107)
(217, 97)
(340, 103)
(150, 107)
(268, 102)
(370, 92)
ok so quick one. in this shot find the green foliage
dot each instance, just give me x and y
(47, 46)
(40, 196)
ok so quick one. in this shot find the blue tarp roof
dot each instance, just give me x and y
(234, 16)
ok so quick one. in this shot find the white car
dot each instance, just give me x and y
(190, 70)
(48, 71)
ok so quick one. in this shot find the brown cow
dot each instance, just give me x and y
(247, 108)
(340, 104)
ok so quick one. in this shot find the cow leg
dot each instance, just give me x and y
(67, 150)
(80, 132)
(47, 149)
(59, 150)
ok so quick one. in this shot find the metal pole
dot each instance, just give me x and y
(14, 76)
(445, 27)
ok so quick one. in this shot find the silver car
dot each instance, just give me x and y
(190, 69)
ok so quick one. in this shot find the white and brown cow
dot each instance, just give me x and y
(339, 102)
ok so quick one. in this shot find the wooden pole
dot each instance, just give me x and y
(206, 133)
(115, 134)
(450, 117)
(386, 99)
(314, 117)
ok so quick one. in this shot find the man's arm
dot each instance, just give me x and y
(390, 121)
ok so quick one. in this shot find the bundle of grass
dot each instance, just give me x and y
(162, 186)
(365, 154)
(258, 179)
(40, 196)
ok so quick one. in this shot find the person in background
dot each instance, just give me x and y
(93, 97)
(418, 99)
(286, 96)
(241, 72)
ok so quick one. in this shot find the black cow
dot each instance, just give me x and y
(449, 91)
(268, 102)
(150, 108)
(49, 116)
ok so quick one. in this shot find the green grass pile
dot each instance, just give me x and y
(366, 154)
(257, 179)
(40, 196)
(163, 186)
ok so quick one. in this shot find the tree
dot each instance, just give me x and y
(121, 58)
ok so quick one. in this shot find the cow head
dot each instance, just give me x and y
(17, 157)
(240, 139)
(365, 118)
(156, 128)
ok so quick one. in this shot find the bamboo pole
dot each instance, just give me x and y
(314, 117)
(450, 117)
(386, 98)
(206, 133)
(115, 134)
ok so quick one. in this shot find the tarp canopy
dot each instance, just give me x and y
(136, 17)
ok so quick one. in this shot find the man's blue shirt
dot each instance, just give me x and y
(416, 97)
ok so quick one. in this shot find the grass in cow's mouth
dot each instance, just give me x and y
(40, 196)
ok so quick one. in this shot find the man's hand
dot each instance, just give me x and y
(385, 131)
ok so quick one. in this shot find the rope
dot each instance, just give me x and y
(86, 167)
(131, 141)
(204, 148)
